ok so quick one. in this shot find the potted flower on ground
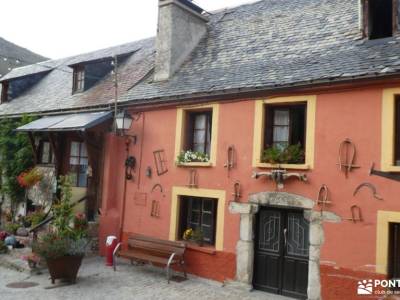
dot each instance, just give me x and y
(64, 247)
(32, 260)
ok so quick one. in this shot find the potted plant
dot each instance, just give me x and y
(191, 156)
(196, 236)
(293, 154)
(64, 247)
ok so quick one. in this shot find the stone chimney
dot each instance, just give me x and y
(181, 26)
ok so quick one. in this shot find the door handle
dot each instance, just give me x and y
(285, 236)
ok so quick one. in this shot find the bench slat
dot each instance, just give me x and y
(145, 257)
(165, 250)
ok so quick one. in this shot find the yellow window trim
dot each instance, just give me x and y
(388, 130)
(382, 238)
(259, 121)
(175, 213)
(180, 133)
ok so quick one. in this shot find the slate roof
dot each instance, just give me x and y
(262, 45)
(25, 56)
(274, 43)
(54, 91)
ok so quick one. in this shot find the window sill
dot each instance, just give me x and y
(284, 166)
(205, 249)
(394, 169)
(195, 164)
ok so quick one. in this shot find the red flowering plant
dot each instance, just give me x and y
(29, 178)
(68, 235)
(3, 235)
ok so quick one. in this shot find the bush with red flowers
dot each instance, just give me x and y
(29, 178)
(3, 235)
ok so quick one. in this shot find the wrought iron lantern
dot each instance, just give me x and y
(123, 121)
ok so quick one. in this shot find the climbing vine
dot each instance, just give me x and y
(15, 157)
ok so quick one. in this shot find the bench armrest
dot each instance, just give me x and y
(171, 258)
(117, 248)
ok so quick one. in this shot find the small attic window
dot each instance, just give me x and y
(78, 84)
(4, 92)
(379, 18)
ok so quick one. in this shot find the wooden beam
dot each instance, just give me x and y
(34, 148)
(55, 148)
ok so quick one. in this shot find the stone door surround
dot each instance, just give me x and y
(245, 245)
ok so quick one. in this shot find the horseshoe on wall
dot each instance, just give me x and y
(371, 187)
(157, 185)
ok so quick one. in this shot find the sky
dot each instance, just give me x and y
(61, 28)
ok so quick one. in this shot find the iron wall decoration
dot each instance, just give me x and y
(279, 176)
(155, 209)
(237, 191)
(157, 185)
(347, 156)
(388, 175)
(149, 172)
(130, 164)
(356, 215)
(140, 199)
(323, 197)
(231, 159)
(371, 187)
(155, 204)
(193, 178)
(160, 162)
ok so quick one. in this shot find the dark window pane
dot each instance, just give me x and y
(207, 219)
(208, 234)
(78, 164)
(196, 204)
(195, 217)
(207, 205)
(198, 131)
(200, 213)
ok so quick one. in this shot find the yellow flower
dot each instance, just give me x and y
(187, 234)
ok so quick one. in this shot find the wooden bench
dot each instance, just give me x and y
(146, 249)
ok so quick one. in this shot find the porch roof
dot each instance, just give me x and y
(69, 122)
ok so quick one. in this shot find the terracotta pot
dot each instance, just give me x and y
(65, 267)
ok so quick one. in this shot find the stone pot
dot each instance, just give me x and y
(65, 267)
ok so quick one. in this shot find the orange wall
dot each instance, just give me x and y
(352, 114)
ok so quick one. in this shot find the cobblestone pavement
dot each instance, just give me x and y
(129, 282)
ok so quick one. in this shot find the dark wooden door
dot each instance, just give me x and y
(281, 252)
(394, 251)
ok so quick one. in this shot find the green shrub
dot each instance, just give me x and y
(3, 247)
(36, 217)
(12, 228)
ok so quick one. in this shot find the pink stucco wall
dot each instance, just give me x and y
(354, 114)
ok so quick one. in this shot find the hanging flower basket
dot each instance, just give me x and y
(29, 178)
